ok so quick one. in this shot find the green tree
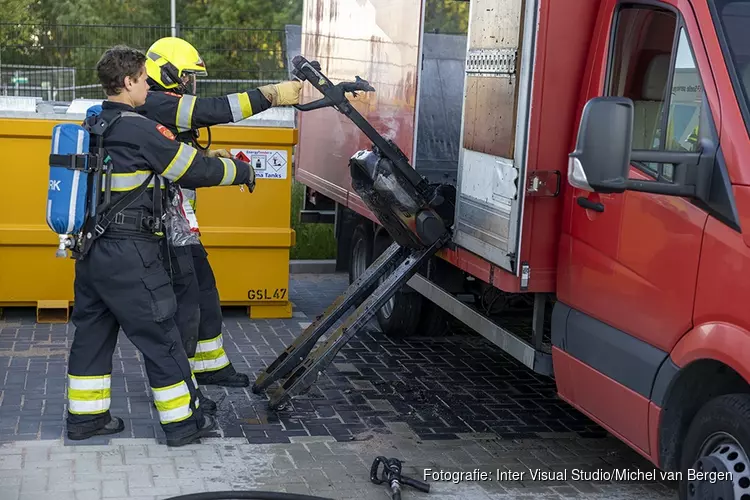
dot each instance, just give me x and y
(74, 33)
(18, 33)
(446, 16)
(234, 36)
(240, 39)
(257, 14)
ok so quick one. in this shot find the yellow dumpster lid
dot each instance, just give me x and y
(280, 117)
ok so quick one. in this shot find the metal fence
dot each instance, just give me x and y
(57, 62)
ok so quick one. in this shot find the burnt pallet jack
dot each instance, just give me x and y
(417, 215)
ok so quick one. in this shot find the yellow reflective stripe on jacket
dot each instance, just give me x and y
(89, 394)
(240, 106)
(230, 172)
(129, 181)
(180, 163)
(172, 402)
(210, 355)
(184, 119)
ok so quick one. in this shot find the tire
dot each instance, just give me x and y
(346, 222)
(718, 439)
(434, 321)
(400, 316)
(360, 252)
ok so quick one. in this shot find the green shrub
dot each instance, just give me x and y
(314, 241)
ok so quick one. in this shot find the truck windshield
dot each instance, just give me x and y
(732, 18)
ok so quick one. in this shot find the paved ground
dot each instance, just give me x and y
(451, 405)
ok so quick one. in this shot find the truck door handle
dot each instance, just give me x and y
(591, 205)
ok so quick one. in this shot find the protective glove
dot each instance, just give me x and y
(219, 153)
(283, 93)
(251, 180)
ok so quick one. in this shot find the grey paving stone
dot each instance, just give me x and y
(166, 470)
(164, 483)
(138, 476)
(185, 465)
(340, 476)
(298, 488)
(62, 495)
(88, 463)
(282, 463)
(418, 382)
(88, 495)
(142, 492)
(454, 403)
(60, 475)
(332, 480)
(10, 462)
(114, 459)
(137, 498)
(115, 489)
(88, 486)
(34, 483)
(12, 480)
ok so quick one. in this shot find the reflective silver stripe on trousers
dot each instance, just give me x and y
(180, 163)
(172, 402)
(230, 172)
(234, 105)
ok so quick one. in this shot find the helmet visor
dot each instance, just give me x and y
(189, 81)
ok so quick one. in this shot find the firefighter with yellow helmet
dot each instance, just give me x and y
(173, 65)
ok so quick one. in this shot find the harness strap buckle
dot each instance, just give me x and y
(148, 223)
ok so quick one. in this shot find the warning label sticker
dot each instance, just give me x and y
(268, 163)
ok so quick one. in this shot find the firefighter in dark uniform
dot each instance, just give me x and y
(172, 67)
(120, 279)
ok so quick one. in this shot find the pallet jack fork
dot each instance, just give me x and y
(417, 215)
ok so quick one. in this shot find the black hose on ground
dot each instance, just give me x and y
(246, 495)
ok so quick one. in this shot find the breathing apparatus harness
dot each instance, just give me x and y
(79, 204)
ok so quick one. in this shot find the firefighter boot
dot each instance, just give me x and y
(114, 426)
(207, 405)
(209, 424)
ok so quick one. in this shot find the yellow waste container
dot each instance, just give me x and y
(247, 235)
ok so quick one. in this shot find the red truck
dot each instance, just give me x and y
(600, 152)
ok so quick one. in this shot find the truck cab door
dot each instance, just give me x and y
(629, 262)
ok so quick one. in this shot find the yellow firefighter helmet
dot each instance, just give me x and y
(173, 64)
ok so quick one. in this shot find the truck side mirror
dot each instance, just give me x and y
(601, 161)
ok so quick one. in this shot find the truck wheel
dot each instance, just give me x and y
(400, 316)
(434, 321)
(360, 256)
(716, 442)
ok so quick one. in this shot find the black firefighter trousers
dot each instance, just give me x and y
(122, 282)
(187, 317)
(212, 364)
(185, 286)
